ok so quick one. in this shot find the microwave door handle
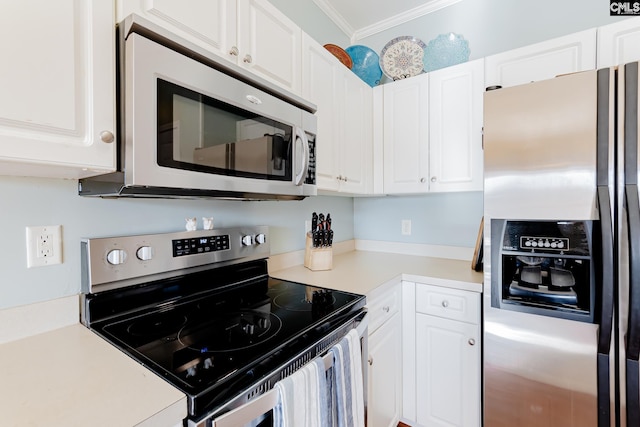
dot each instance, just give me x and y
(302, 136)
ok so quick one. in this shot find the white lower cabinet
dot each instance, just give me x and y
(385, 388)
(442, 356)
(384, 373)
(447, 372)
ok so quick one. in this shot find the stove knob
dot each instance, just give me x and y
(144, 253)
(249, 329)
(263, 323)
(247, 240)
(116, 256)
(261, 238)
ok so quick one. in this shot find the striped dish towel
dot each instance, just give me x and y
(302, 398)
(347, 392)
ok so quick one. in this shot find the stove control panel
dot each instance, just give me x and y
(198, 245)
(115, 262)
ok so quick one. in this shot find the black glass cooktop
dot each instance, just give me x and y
(214, 333)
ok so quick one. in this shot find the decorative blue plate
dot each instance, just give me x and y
(444, 51)
(365, 64)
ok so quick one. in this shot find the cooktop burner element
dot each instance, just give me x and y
(213, 331)
(235, 331)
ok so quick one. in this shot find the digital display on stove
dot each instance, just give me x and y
(200, 245)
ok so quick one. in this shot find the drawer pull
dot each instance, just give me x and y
(385, 308)
(370, 361)
(445, 303)
(472, 341)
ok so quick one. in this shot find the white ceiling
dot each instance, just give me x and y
(360, 18)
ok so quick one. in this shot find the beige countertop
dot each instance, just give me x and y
(72, 377)
(363, 272)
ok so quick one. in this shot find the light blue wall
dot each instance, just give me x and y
(447, 219)
(312, 20)
(35, 201)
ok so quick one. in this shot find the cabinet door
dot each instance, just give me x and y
(356, 145)
(210, 24)
(385, 374)
(406, 135)
(541, 61)
(269, 43)
(447, 372)
(57, 83)
(619, 43)
(455, 127)
(320, 87)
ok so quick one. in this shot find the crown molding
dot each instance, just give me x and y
(393, 21)
(337, 19)
(401, 18)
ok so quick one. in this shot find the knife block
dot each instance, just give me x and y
(317, 259)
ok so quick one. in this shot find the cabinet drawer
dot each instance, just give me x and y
(448, 303)
(382, 308)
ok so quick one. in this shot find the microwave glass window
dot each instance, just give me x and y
(196, 132)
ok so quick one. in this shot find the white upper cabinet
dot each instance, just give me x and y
(541, 61)
(432, 132)
(210, 24)
(250, 33)
(57, 110)
(455, 127)
(406, 135)
(344, 144)
(619, 43)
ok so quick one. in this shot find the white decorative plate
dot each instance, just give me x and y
(402, 57)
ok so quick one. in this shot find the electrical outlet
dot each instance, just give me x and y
(44, 245)
(406, 227)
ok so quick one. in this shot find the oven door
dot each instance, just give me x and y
(187, 125)
(252, 408)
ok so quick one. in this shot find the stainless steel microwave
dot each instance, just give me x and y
(191, 125)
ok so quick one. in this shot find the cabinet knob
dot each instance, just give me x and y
(370, 360)
(385, 308)
(345, 179)
(472, 341)
(234, 51)
(423, 180)
(247, 59)
(434, 179)
(106, 136)
(445, 303)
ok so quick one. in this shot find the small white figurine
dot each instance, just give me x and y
(207, 223)
(192, 223)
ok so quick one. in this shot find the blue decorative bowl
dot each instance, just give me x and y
(444, 51)
(366, 64)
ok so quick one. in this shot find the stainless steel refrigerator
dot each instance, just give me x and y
(561, 305)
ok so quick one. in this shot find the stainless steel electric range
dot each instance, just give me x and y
(200, 310)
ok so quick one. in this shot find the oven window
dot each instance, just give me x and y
(197, 132)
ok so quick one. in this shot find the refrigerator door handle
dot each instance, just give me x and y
(633, 328)
(632, 201)
(606, 309)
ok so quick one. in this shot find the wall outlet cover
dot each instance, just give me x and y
(44, 245)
